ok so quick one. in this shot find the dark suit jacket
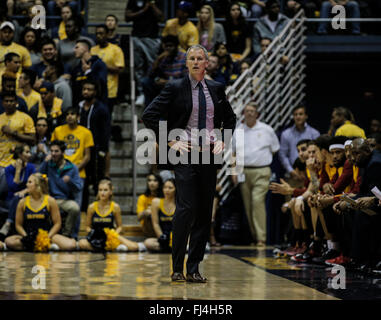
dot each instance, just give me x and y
(174, 104)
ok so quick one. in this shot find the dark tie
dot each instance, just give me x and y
(201, 107)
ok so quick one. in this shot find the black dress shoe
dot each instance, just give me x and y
(195, 277)
(177, 277)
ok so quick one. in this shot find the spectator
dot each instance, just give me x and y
(111, 22)
(5, 15)
(113, 57)
(94, 116)
(375, 126)
(145, 16)
(16, 128)
(261, 143)
(213, 71)
(38, 211)
(64, 184)
(170, 64)
(227, 67)
(54, 73)
(257, 8)
(60, 31)
(88, 66)
(12, 64)
(66, 46)
(288, 152)
(343, 124)
(270, 25)
(30, 39)
(49, 54)
(8, 84)
(244, 65)
(54, 8)
(181, 27)
(31, 97)
(209, 31)
(162, 215)
(105, 213)
(41, 149)
(144, 204)
(7, 32)
(51, 106)
(350, 6)
(237, 34)
(17, 174)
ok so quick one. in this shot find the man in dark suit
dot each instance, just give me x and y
(192, 103)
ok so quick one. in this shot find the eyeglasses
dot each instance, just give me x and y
(41, 125)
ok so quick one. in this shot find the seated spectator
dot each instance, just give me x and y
(50, 107)
(54, 8)
(112, 55)
(12, 63)
(5, 15)
(49, 54)
(66, 13)
(270, 25)
(54, 73)
(375, 126)
(343, 124)
(30, 39)
(181, 27)
(238, 36)
(170, 64)
(16, 128)
(145, 16)
(64, 184)
(88, 66)
(209, 31)
(28, 22)
(244, 65)
(41, 149)
(144, 204)
(352, 9)
(38, 211)
(162, 215)
(227, 67)
(106, 214)
(8, 84)
(213, 71)
(31, 97)
(111, 22)
(17, 175)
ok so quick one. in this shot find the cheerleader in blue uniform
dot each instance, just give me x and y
(162, 215)
(102, 216)
(38, 220)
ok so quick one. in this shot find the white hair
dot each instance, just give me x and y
(198, 47)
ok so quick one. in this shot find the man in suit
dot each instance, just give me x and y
(192, 103)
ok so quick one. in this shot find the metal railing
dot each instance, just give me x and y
(276, 86)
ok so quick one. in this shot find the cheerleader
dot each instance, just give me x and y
(162, 214)
(102, 215)
(38, 220)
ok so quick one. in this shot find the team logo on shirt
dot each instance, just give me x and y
(72, 145)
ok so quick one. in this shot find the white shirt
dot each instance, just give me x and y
(259, 145)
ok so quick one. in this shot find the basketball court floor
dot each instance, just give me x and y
(234, 273)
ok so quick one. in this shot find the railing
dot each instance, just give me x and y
(276, 87)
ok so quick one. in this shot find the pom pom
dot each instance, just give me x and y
(42, 242)
(112, 241)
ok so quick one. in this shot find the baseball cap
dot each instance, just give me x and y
(185, 6)
(7, 24)
(47, 87)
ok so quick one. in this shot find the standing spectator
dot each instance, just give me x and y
(111, 21)
(54, 73)
(237, 34)
(113, 57)
(145, 16)
(261, 143)
(66, 46)
(169, 65)
(31, 97)
(16, 127)
(51, 106)
(352, 7)
(30, 39)
(64, 184)
(343, 124)
(7, 32)
(288, 152)
(94, 116)
(88, 66)
(41, 149)
(270, 25)
(209, 31)
(181, 27)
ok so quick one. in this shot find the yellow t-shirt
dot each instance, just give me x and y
(24, 54)
(77, 141)
(56, 109)
(20, 122)
(348, 129)
(187, 33)
(32, 99)
(18, 74)
(113, 57)
(62, 31)
(143, 203)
